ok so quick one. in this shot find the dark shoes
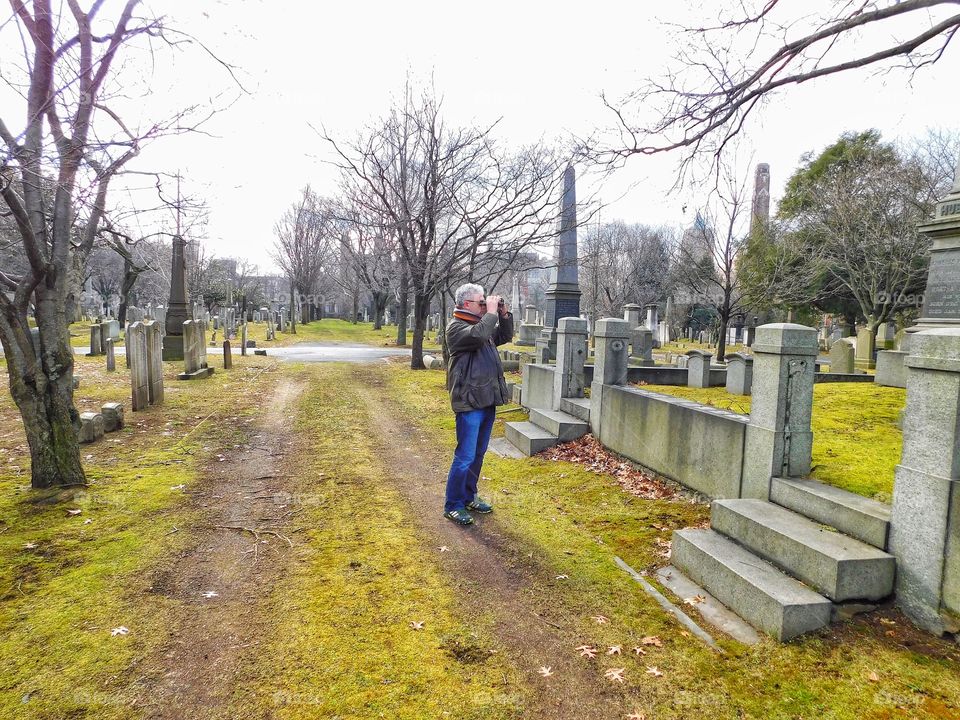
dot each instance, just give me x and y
(460, 517)
(480, 506)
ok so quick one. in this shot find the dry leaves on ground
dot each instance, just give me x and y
(588, 452)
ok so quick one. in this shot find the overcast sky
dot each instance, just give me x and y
(539, 66)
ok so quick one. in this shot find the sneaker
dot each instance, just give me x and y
(460, 517)
(478, 505)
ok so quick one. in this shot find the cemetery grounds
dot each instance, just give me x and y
(268, 544)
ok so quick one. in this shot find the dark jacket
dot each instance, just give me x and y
(474, 373)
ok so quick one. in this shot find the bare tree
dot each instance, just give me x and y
(302, 247)
(449, 195)
(707, 258)
(67, 60)
(725, 70)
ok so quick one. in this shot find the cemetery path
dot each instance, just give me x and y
(489, 570)
(218, 584)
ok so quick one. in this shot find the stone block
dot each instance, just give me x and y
(139, 367)
(611, 336)
(227, 355)
(111, 355)
(91, 427)
(96, 341)
(698, 368)
(112, 413)
(556, 422)
(529, 438)
(833, 564)
(568, 379)
(760, 594)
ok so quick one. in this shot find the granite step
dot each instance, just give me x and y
(836, 565)
(578, 407)
(751, 587)
(565, 427)
(529, 438)
(865, 519)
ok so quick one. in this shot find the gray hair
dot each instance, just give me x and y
(467, 289)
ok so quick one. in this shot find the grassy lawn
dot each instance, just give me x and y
(856, 441)
(66, 581)
(576, 521)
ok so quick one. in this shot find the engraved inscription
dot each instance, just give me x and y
(942, 297)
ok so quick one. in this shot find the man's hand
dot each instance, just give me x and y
(492, 302)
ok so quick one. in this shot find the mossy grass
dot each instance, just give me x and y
(575, 522)
(343, 645)
(334, 330)
(856, 441)
(66, 581)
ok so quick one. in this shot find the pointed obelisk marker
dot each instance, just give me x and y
(563, 293)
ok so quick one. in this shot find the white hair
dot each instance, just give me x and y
(467, 289)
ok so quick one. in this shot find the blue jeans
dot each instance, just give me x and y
(473, 435)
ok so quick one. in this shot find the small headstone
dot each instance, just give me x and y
(243, 339)
(154, 332)
(91, 427)
(96, 341)
(841, 357)
(111, 357)
(112, 413)
(739, 373)
(227, 355)
(698, 368)
(139, 372)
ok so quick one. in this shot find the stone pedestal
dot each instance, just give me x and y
(925, 523)
(866, 350)
(112, 413)
(698, 368)
(571, 355)
(778, 439)
(111, 355)
(739, 374)
(610, 364)
(139, 371)
(227, 355)
(631, 313)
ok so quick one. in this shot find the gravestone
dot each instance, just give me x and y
(110, 329)
(739, 374)
(195, 351)
(563, 292)
(227, 355)
(698, 368)
(112, 413)
(653, 321)
(154, 332)
(91, 427)
(111, 357)
(243, 339)
(631, 313)
(891, 368)
(139, 369)
(96, 341)
(865, 350)
(842, 357)
(529, 329)
(571, 354)
(641, 342)
(610, 365)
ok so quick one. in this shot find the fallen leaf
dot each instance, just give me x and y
(29, 546)
(600, 619)
(417, 624)
(615, 674)
(177, 487)
(74, 512)
(873, 677)
(211, 594)
(636, 715)
(545, 671)
(444, 548)
(613, 650)
(639, 651)
(684, 633)
(887, 621)
(119, 631)
(587, 651)
(652, 640)
(695, 600)
(87, 521)
(562, 577)
(655, 671)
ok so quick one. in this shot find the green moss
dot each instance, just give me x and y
(856, 441)
(574, 522)
(343, 646)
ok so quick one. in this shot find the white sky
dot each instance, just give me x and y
(540, 66)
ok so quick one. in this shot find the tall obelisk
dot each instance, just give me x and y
(760, 212)
(563, 293)
(177, 311)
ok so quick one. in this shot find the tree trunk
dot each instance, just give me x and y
(421, 307)
(722, 340)
(402, 311)
(356, 306)
(379, 304)
(293, 308)
(42, 388)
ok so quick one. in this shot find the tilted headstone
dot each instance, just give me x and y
(154, 332)
(139, 370)
(698, 368)
(194, 351)
(739, 373)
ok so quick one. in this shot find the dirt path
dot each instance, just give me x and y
(492, 571)
(241, 549)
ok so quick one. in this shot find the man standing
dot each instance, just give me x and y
(476, 385)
